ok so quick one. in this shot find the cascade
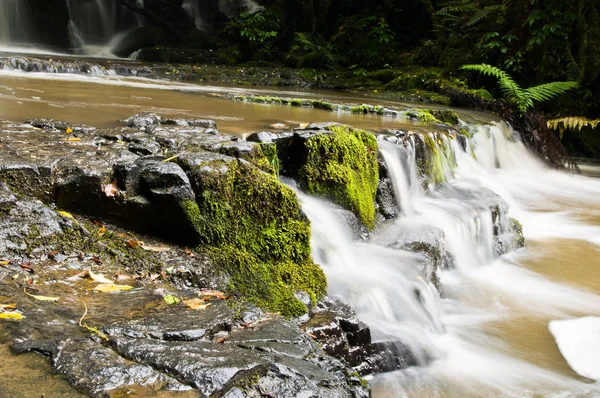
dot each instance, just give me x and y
(14, 22)
(390, 291)
(96, 27)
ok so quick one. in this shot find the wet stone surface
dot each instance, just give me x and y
(134, 342)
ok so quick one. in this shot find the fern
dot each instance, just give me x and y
(483, 14)
(523, 99)
(573, 123)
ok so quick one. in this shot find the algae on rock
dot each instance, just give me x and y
(342, 166)
(251, 225)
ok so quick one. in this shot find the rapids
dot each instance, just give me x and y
(489, 336)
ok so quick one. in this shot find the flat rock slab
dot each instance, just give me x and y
(579, 342)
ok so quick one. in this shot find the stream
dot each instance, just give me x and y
(489, 336)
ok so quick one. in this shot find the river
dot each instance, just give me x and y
(489, 336)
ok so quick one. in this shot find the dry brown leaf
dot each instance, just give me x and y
(27, 267)
(213, 293)
(122, 277)
(99, 278)
(221, 340)
(157, 249)
(111, 190)
(189, 252)
(17, 316)
(96, 260)
(53, 254)
(8, 306)
(132, 243)
(196, 304)
(111, 287)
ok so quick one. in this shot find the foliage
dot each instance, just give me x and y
(312, 51)
(255, 32)
(522, 98)
(573, 123)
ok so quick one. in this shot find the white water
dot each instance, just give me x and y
(97, 26)
(380, 282)
(14, 26)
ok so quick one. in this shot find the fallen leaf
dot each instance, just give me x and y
(221, 340)
(69, 130)
(157, 249)
(42, 298)
(99, 278)
(110, 190)
(3, 263)
(73, 139)
(27, 267)
(122, 277)
(214, 293)
(65, 214)
(170, 299)
(96, 260)
(189, 252)
(196, 304)
(53, 254)
(17, 316)
(111, 287)
(132, 243)
(101, 231)
(7, 306)
(121, 235)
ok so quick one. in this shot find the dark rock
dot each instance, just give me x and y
(335, 326)
(7, 199)
(62, 126)
(192, 123)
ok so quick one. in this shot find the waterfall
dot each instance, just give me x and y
(14, 22)
(97, 26)
(388, 287)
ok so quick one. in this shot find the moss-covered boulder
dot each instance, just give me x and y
(335, 162)
(252, 226)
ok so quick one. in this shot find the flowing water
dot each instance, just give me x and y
(489, 336)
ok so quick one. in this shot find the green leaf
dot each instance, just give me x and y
(170, 299)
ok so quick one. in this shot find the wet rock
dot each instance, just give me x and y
(385, 198)
(192, 123)
(62, 126)
(7, 198)
(266, 137)
(143, 120)
(335, 326)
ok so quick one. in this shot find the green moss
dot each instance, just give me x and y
(251, 226)
(319, 104)
(296, 102)
(423, 115)
(343, 167)
(446, 116)
(360, 109)
(438, 158)
(517, 230)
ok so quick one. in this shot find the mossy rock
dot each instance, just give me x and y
(252, 226)
(342, 166)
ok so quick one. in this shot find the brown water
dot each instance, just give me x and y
(101, 102)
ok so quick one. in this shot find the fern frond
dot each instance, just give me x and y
(510, 89)
(545, 92)
(573, 123)
(483, 14)
(573, 70)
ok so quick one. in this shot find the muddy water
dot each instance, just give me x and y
(102, 101)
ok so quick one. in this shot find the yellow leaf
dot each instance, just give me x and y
(4, 262)
(8, 306)
(158, 249)
(41, 298)
(11, 315)
(99, 278)
(111, 287)
(196, 304)
(65, 214)
(73, 139)
(69, 130)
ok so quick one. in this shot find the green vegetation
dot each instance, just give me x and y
(522, 98)
(251, 226)
(342, 166)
